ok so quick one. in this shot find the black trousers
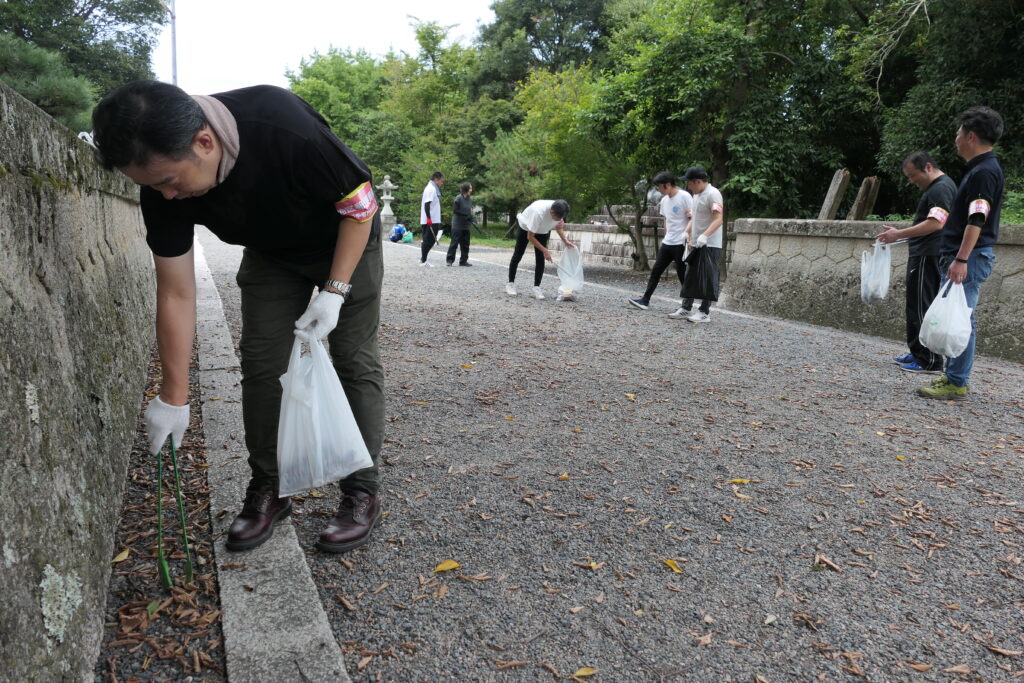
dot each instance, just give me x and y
(460, 240)
(923, 277)
(429, 239)
(667, 253)
(522, 239)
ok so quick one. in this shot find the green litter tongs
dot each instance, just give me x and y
(161, 561)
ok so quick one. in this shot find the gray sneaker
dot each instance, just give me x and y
(699, 317)
(679, 313)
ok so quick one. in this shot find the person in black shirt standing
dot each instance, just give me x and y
(970, 233)
(923, 273)
(462, 219)
(259, 167)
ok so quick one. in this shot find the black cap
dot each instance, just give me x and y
(695, 173)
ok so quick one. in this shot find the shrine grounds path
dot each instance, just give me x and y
(634, 498)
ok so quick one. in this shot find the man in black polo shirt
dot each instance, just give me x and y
(970, 233)
(923, 272)
(259, 167)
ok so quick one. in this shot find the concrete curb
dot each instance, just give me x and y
(275, 627)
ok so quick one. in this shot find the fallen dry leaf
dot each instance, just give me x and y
(122, 556)
(704, 640)
(958, 669)
(824, 561)
(916, 666)
(674, 566)
(447, 565)
(1005, 653)
(585, 671)
(345, 602)
(509, 665)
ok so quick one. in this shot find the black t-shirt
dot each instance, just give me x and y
(936, 202)
(279, 198)
(981, 190)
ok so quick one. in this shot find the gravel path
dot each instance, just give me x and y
(826, 523)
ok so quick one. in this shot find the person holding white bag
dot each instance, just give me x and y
(923, 272)
(970, 234)
(259, 167)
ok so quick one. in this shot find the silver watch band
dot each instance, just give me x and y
(338, 287)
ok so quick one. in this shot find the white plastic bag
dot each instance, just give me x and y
(946, 327)
(318, 440)
(874, 274)
(570, 274)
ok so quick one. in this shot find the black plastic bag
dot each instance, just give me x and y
(701, 281)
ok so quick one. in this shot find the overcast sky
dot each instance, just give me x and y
(225, 44)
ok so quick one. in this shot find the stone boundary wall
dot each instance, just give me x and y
(601, 242)
(809, 270)
(76, 310)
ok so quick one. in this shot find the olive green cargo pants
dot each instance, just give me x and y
(274, 294)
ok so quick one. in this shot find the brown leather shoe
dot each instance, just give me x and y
(352, 525)
(260, 511)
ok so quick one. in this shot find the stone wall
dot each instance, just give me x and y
(601, 242)
(76, 307)
(809, 270)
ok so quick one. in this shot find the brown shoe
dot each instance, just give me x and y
(352, 525)
(260, 511)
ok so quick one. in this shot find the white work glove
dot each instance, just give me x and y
(320, 317)
(163, 419)
(702, 240)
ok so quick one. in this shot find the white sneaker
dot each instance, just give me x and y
(511, 290)
(538, 293)
(699, 317)
(679, 313)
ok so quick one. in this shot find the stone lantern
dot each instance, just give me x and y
(387, 216)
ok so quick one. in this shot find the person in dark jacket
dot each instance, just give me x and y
(462, 221)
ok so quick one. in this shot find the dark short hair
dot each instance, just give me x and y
(560, 208)
(918, 160)
(465, 187)
(984, 122)
(695, 173)
(664, 178)
(145, 118)
(437, 175)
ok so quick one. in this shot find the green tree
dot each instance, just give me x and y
(528, 34)
(913, 53)
(583, 157)
(109, 42)
(341, 85)
(512, 174)
(752, 90)
(42, 77)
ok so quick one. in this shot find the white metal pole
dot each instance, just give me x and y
(174, 46)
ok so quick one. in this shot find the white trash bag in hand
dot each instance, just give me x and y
(570, 274)
(318, 440)
(875, 267)
(946, 327)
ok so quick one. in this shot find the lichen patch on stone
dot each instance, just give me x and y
(61, 597)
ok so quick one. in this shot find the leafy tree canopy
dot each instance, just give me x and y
(108, 42)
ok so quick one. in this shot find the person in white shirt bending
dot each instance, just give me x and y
(675, 206)
(535, 225)
(703, 232)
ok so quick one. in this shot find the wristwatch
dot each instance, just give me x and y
(959, 260)
(337, 287)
